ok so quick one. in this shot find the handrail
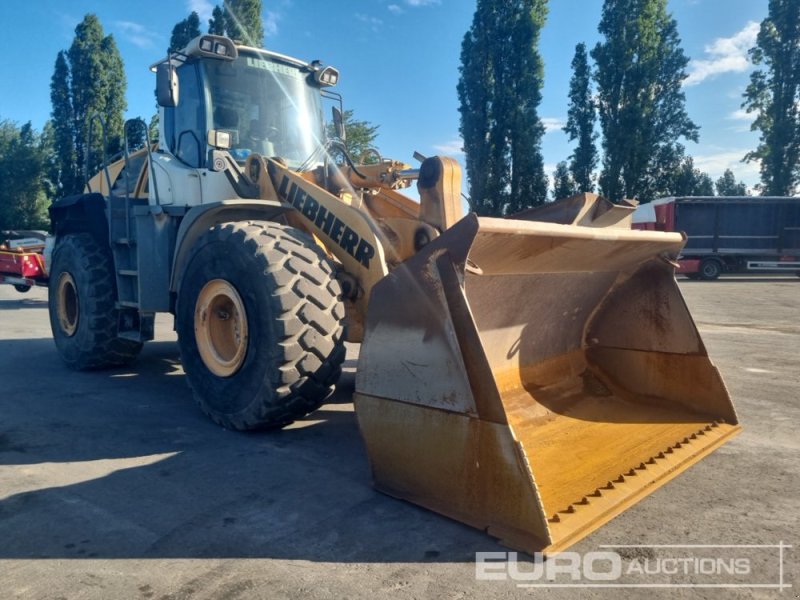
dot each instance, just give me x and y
(87, 151)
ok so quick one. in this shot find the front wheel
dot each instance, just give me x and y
(260, 325)
(82, 306)
(710, 269)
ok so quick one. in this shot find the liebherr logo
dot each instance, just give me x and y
(333, 227)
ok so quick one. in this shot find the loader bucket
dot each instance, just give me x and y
(535, 379)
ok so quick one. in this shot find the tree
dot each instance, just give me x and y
(23, 167)
(88, 79)
(727, 186)
(640, 68)
(216, 24)
(184, 32)
(690, 181)
(563, 184)
(499, 92)
(360, 135)
(65, 174)
(581, 118)
(774, 95)
(243, 21)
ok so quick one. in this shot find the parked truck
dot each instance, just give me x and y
(21, 259)
(729, 234)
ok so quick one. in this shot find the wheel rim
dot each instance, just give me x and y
(220, 328)
(67, 303)
(710, 269)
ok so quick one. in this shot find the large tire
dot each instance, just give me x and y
(82, 306)
(710, 269)
(260, 325)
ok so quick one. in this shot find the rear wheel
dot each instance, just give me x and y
(22, 289)
(692, 276)
(260, 325)
(710, 269)
(82, 306)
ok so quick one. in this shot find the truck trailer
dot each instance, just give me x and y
(736, 234)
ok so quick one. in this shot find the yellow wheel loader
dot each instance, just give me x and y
(531, 376)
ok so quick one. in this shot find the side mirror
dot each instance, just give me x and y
(338, 124)
(166, 85)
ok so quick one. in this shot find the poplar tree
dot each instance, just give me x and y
(774, 95)
(640, 69)
(88, 79)
(216, 24)
(243, 21)
(184, 32)
(581, 118)
(65, 173)
(563, 184)
(499, 91)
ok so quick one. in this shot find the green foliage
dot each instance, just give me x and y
(581, 118)
(774, 95)
(243, 21)
(690, 181)
(640, 68)
(65, 175)
(563, 184)
(360, 137)
(184, 32)
(216, 24)
(153, 128)
(88, 79)
(23, 168)
(499, 91)
(727, 186)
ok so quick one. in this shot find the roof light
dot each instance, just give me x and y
(327, 76)
(212, 46)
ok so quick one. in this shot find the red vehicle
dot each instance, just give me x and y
(21, 259)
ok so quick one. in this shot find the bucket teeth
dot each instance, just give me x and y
(613, 487)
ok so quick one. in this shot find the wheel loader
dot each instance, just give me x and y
(531, 376)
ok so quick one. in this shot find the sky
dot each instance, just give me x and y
(399, 62)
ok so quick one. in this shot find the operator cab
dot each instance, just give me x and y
(217, 96)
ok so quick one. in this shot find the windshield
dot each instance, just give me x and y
(268, 107)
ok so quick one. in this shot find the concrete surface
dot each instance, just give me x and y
(114, 485)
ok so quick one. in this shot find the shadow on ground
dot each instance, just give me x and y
(22, 303)
(122, 464)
